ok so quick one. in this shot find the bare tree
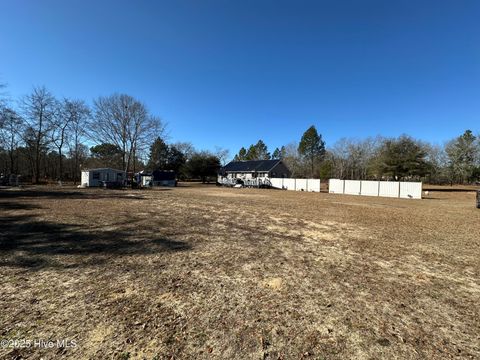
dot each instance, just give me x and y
(186, 148)
(339, 157)
(3, 98)
(294, 161)
(222, 154)
(143, 131)
(125, 122)
(58, 135)
(39, 110)
(77, 114)
(353, 158)
(10, 135)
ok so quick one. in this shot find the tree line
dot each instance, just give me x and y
(43, 137)
(376, 158)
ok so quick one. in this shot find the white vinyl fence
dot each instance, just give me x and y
(353, 187)
(407, 190)
(369, 188)
(336, 186)
(312, 185)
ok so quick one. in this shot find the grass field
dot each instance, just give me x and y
(205, 272)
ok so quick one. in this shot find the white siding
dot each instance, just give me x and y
(411, 190)
(85, 178)
(313, 185)
(301, 184)
(103, 175)
(335, 186)
(370, 188)
(389, 188)
(352, 187)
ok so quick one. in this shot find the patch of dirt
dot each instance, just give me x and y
(206, 272)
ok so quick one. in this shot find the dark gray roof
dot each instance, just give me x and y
(250, 166)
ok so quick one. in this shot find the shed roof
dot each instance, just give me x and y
(250, 166)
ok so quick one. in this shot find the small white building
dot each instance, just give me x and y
(92, 177)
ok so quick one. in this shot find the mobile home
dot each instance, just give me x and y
(93, 177)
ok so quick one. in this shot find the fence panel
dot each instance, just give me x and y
(301, 184)
(276, 182)
(313, 185)
(370, 188)
(411, 190)
(353, 187)
(389, 188)
(289, 184)
(335, 186)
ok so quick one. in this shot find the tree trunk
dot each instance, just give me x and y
(11, 160)
(134, 159)
(60, 164)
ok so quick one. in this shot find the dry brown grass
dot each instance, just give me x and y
(205, 272)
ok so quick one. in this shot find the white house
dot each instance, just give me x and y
(92, 177)
(251, 169)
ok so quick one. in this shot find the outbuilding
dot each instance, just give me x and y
(93, 177)
(158, 178)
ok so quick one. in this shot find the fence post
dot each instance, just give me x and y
(360, 193)
(478, 199)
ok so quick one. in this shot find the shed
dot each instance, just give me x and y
(158, 178)
(92, 177)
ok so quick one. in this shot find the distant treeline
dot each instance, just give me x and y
(45, 138)
(402, 158)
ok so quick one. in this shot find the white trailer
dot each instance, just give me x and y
(93, 177)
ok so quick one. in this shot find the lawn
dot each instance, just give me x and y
(215, 273)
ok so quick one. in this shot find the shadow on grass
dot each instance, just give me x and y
(17, 206)
(29, 243)
(34, 244)
(92, 193)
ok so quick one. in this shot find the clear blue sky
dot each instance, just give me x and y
(230, 72)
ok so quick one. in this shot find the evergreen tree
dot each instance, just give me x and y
(462, 155)
(312, 147)
(159, 153)
(278, 154)
(252, 153)
(165, 157)
(108, 155)
(203, 165)
(242, 154)
(402, 157)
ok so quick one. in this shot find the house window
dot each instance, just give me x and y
(96, 176)
(119, 176)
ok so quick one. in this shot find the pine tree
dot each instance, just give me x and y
(312, 147)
